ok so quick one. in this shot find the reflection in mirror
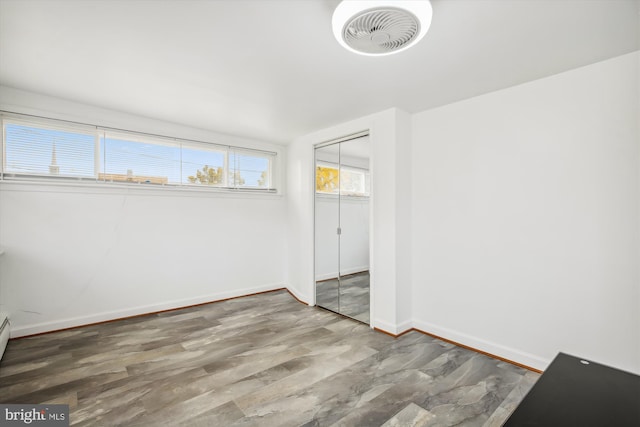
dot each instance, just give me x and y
(354, 222)
(327, 222)
(342, 228)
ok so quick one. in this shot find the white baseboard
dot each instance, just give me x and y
(501, 351)
(404, 326)
(20, 331)
(486, 346)
(302, 298)
(390, 328)
(393, 329)
(345, 272)
(384, 326)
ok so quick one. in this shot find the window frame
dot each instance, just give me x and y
(101, 133)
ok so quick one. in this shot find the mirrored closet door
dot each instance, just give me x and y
(342, 227)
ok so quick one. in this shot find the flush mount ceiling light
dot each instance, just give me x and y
(378, 28)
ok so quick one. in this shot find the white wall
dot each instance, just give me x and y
(80, 254)
(384, 253)
(404, 221)
(526, 218)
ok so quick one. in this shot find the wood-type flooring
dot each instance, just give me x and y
(262, 360)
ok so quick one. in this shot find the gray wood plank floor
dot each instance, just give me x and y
(262, 360)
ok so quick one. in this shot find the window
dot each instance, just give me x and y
(48, 149)
(127, 159)
(204, 167)
(249, 170)
(345, 181)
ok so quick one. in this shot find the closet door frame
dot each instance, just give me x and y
(371, 275)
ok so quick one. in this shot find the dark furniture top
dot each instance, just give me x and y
(576, 392)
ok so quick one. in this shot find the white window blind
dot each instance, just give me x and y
(45, 149)
(48, 151)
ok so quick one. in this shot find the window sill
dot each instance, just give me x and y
(73, 186)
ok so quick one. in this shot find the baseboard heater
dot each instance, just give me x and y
(4, 332)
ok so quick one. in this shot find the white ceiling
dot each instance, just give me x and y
(271, 69)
